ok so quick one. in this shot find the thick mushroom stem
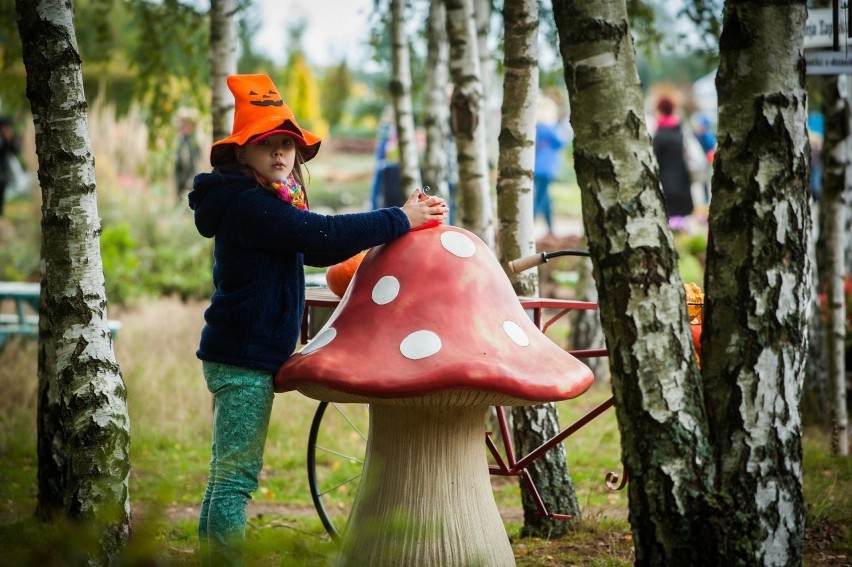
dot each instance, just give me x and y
(425, 496)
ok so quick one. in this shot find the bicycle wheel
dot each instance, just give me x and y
(336, 447)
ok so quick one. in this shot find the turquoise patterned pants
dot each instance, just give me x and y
(242, 403)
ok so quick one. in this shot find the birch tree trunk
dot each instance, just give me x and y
(755, 338)
(834, 207)
(482, 12)
(535, 424)
(400, 91)
(655, 381)
(84, 417)
(473, 195)
(223, 62)
(585, 324)
(516, 160)
(436, 117)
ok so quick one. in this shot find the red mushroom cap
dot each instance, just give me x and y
(433, 312)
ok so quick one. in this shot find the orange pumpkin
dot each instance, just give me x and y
(340, 275)
(696, 341)
(695, 309)
(696, 337)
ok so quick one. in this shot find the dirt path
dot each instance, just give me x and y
(262, 509)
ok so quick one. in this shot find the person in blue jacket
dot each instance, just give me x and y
(254, 204)
(551, 137)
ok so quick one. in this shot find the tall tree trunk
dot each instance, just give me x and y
(482, 13)
(400, 91)
(834, 205)
(223, 62)
(86, 410)
(655, 380)
(473, 195)
(535, 424)
(436, 115)
(586, 330)
(517, 142)
(815, 404)
(757, 282)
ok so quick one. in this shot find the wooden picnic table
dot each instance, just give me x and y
(23, 321)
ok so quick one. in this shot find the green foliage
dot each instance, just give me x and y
(20, 241)
(13, 86)
(170, 51)
(159, 254)
(643, 25)
(301, 92)
(185, 273)
(691, 270)
(706, 16)
(336, 89)
(120, 262)
(100, 25)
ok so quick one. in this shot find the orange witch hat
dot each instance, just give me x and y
(259, 112)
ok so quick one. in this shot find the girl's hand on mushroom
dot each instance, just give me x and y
(421, 209)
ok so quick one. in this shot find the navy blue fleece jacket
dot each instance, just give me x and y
(261, 244)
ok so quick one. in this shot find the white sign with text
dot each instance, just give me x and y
(819, 29)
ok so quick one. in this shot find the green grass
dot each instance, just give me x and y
(170, 411)
(828, 494)
(170, 415)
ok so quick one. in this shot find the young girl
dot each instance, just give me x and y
(255, 205)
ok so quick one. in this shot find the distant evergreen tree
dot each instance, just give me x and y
(301, 92)
(336, 89)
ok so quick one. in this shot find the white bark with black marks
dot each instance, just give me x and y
(84, 428)
(473, 195)
(223, 62)
(400, 91)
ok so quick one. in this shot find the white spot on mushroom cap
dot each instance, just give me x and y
(516, 333)
(385, 290)
(323, 338)
(420, 344)
(458, 244)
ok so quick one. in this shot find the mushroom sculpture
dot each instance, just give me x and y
(430, 333)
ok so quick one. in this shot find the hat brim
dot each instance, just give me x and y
(300, 140)
(222, 152)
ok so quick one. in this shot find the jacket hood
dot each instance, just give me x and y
(211, 197)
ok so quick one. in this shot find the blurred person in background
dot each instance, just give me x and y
(187, 152)
(551, 137)
(10, 147)
(816, 134)
(670, 150)
(703, 130)
(386, 190)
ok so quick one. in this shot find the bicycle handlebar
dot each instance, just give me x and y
(520, 264)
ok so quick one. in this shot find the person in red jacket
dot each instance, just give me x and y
(670, 150)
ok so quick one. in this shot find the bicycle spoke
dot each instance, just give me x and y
(339, 454)
(349, 421)
(338, 485)
(339, 443)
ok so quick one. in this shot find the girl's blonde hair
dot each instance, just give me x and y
(297, 168)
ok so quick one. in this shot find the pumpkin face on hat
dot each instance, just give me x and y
(266, 99)
(259, 111)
